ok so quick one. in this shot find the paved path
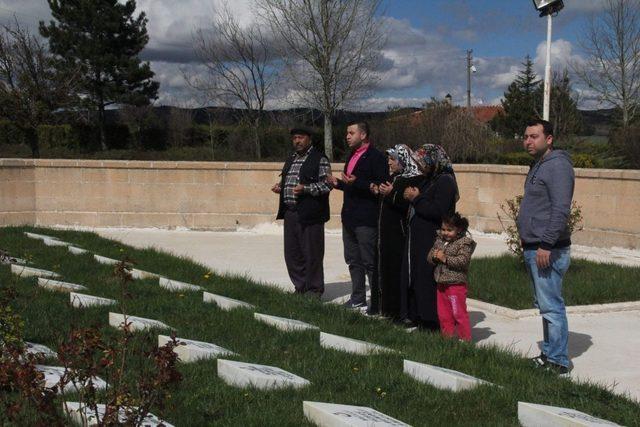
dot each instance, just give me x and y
(603, 347)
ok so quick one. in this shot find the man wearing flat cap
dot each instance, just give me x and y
(304, 206)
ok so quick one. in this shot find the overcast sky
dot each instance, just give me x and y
(424, 56)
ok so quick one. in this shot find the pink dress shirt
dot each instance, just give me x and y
(356, 156)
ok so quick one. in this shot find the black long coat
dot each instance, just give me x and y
(393, 229)
(436, 199)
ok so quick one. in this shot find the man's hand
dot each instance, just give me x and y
(410, 193)
(374, 189)
(348, 179)
(543, 258)
(298, 190)
(332, 180)
(276, 188)
(385, 188)
(440, 256)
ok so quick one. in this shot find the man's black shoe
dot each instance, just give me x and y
(555, 368)
(539, 361)
(355, 306)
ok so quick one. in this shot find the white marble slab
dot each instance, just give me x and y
(55, 242)
(176, 286)
(24, 271)
(351, 345)
(39, 236)
(33, 348)
(85, 416)
(56, 285)
(240, 374)
(52, 375)
(334, 415)
(283, 323)
(192, 351)
(225, 303)
(76, 250)
(442, 378)
(82, 301)
(141, 274)
(104, 260)
(117, 320)
(534, 415)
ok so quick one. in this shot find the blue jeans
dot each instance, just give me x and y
(547, 294)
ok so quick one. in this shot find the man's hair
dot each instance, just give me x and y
(362, 125)
(547, 127)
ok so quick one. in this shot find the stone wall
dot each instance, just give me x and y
(217, 195)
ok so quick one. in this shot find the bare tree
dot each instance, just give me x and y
(612, 68)
(331, 48)
(241, 68)
(31, 89)
(180, 125)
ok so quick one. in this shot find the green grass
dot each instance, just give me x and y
(203, 399)
(504, 281)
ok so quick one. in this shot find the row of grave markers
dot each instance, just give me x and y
(241, 374)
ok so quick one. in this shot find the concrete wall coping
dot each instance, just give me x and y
(617, 174)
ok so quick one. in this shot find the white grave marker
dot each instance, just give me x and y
(85, 416)
(53, 374)
(55, 242)
(264, 377)
(351, 345)
(104, 260)
(117, 320)
(45, 351)
(441, 377)
(176, 286)
(533, 415)
(24, 271)
(192, 351)
(39, 236)
(141, 274)
(333, 415)
(56, 285)
(82, 300)
(225, 303)
(76, 250)
(284, 324)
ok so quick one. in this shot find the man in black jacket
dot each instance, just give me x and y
(304, 206)
(365, 166)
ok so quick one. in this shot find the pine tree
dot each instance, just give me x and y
(520, 102)
(563, 108)
(103, 39)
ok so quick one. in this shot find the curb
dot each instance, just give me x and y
(574, 309)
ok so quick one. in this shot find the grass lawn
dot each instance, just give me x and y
(375, 381)
(504, 281)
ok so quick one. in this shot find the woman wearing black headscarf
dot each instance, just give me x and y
(392, 226)
(434, 198)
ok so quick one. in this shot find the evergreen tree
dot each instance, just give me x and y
(103, 39)
(563, 108)
(520, 102)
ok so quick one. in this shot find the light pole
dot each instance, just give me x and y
(548, 8)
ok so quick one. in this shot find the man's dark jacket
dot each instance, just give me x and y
(311, 209)
(360, 206)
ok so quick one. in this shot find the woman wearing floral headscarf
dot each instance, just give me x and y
(429, 202)
(392, 228)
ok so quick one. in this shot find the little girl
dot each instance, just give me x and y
(451, 254)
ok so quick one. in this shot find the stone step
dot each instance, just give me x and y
(192, 351)
(85, 416)
(177, 286)
(334, 415)
(351, 345)
(534, 415)
(442, 378)
(240, 374)
(53, 374)
(283, 323)
(56, 285)
(225, 303)
(82, 301)
(24, 271)
(117, 320)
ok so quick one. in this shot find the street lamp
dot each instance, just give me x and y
(548, 8)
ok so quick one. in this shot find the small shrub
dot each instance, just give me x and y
(586, 161)
(518, 158)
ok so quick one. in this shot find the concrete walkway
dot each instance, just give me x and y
(604, 348)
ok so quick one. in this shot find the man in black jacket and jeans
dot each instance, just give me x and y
(365, 166)
(304, 206)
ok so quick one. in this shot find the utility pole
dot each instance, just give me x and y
(469, 65)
